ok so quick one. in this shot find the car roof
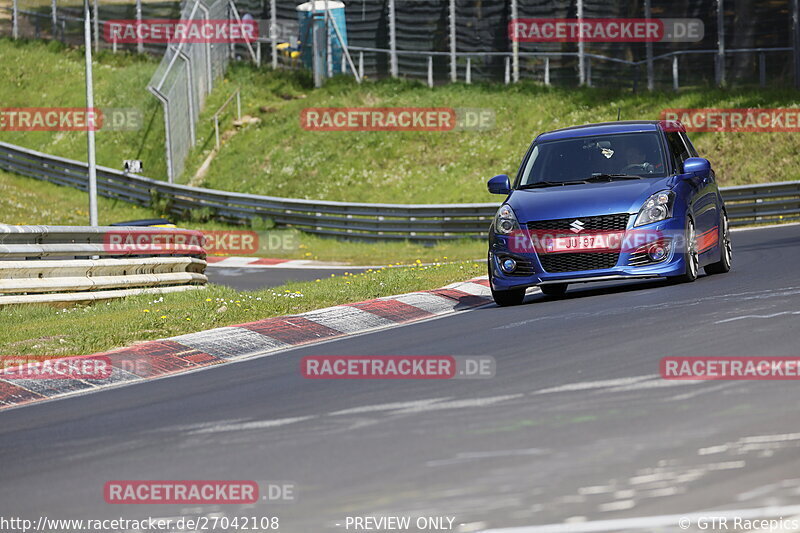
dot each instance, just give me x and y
(602, 128)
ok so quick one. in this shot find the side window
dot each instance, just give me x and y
(689, 145)
(677, 149)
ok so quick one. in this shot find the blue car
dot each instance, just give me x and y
(610, 201)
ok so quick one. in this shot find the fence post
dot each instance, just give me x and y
(588, 64)
(96, 26)
(796, 41)
(139, 42)
(453, 59)
(675, 81)
(507, 73)
(649, 51)
(515, 41)
(762, 70)
(328, 41)
(392, 40)
(720, 43)
(581, 51)
(273, 32)
(54, 18)
(316, 61)
(547, 70)
(468, 76)
(430, 72)
(15, 20)
(361, 65)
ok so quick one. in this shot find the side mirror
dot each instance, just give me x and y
(697, 167)
(500, 184)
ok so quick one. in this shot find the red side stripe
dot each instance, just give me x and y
(392, 310)
(291, 329)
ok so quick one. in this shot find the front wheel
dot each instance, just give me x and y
(690, 256)
(508, 298)
(724, 264)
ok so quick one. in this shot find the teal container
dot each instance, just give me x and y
(313, 13)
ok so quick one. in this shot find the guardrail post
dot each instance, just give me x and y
(468, 75)
(430, 72)
(507, 73)
(361, 66)
(762, 70)
(675, 82)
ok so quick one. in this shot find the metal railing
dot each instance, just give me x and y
(77, 263)
(763, 203)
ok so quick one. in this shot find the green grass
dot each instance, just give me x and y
(45, 330)
(47, 74)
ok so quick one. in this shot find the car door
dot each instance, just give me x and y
(703, 203)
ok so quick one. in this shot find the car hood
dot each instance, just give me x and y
(585, 200)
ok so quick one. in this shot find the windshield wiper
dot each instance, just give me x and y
(549, 184)
(611, 177)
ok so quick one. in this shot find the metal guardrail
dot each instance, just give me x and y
(76, 263)
(748, 204)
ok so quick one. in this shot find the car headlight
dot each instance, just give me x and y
(505, 221)
(658, 207)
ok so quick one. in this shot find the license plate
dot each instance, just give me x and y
(578, 243)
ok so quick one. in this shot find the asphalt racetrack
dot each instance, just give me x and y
(576, 426)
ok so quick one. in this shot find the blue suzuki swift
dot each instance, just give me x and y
(610, 201)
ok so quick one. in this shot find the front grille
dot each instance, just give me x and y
(567, 262)
(616, 222)
(575, 262)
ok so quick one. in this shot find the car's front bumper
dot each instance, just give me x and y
(532, 272)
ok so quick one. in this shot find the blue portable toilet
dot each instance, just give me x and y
(314, 13)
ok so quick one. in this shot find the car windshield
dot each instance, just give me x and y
(596, 158)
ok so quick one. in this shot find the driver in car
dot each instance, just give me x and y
(635, 160)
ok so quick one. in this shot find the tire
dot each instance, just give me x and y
(508, 298)
(690, 255)
(555, 289)
(724, 264)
